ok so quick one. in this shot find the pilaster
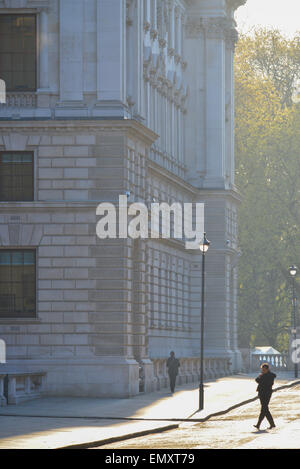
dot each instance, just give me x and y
(212, 146)
(44, 90)
(71, 59)
(111, 59)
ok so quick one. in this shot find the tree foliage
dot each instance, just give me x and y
(273, 57)
(268, 176)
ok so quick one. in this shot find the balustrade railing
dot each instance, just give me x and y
(167, 161)
(189, 371)
(21, 386)
(20, 99)
(276, 361)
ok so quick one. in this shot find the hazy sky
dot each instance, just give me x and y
(282, 14)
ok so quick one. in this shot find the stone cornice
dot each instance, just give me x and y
(126, 126)
(172, 178)
(24, 4)
(53, 205)
(198, 194)
(221, 193)
(213, 28)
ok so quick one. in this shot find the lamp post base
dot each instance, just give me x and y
(201, 397)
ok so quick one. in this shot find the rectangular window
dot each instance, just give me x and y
(16, 176)
(17, 283)
(18, 52)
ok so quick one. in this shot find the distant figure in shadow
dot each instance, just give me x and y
(265, 382)
(172, 364)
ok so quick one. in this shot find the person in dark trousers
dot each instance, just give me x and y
(172, 364)
(265, 382)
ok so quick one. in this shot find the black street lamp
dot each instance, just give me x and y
(204, 245)
(293, 273)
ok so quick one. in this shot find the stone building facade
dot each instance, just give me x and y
(124, 97)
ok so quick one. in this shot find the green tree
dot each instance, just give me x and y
(268, 176)
(274, 57)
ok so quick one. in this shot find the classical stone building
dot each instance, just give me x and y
(108, 97)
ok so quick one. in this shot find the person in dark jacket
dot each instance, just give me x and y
(172, 364)
(265, 382)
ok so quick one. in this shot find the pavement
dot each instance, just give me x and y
(65, 422)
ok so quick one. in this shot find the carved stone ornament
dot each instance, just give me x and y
(153, 34)
(171, 52)
(183, 65)
(231, 37)
(235, 3)
(147, 26)
(167, 86)
(212, 28)
(177, 58)
(162, 43)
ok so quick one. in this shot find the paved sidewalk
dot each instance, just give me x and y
(62, 422)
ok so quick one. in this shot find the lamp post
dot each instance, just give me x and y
(204, 245)
(293, 273)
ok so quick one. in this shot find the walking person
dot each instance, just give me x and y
(265, 382)
(172, 364)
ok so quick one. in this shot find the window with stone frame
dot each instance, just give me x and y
(16, 176)
(18, 51)
(17, 283)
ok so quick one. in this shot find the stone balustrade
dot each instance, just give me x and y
(167, 161)
(21, 386)
(3, 400)
(189, 371)
(276, 361)
(21, 99)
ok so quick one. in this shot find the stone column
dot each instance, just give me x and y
(153, 14)
(119, 323)
(177, 31)
(231, 38)
(71, 59)
(215, 102)
(44, 69)
(171, 38)
(43, 90)
(210, 77)
(111, 59)
(135, 34)
(147, 14)
(140, 313)
(12, 390)
(3, 401)
(195, 121)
